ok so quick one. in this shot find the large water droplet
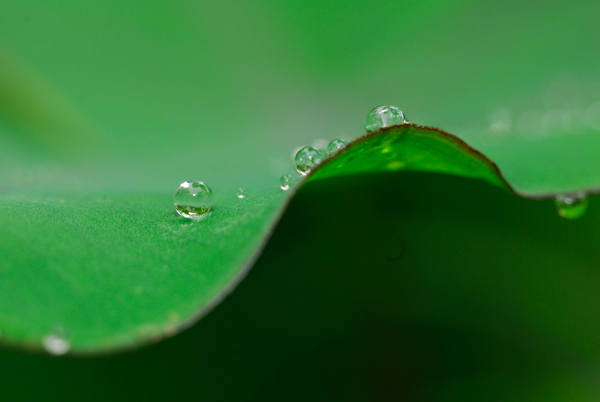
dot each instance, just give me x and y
(384, 116)
(241, 193)
(287, 181)
(193, 199)
(571, 206)
(307, 158)
(336, 145)
(56, 345)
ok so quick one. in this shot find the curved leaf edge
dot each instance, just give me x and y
(462, 144)
(291, 194)
(171, 330)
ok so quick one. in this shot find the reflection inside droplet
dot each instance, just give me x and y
(335, 145)
(571, 205)
(287, 181)
(307, 159)
(193, 199)
(384, 116)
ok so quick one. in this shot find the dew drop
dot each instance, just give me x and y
(307, 158)
(336, 145)
(55, 345)
(384, 116)
(572, 205)
(193, 199)
(241, 193)
(287, 181)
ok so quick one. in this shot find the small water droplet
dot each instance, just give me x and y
(384, 116)
(336, 145)
(572, 205)
(241, 193)
(287, 181)
(55, 345)
(307, 158)
(193, 199)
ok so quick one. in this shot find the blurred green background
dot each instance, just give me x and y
(224, 91)
(415, 287)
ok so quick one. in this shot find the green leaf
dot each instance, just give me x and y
(113, 270)
(110, 271)
(44, 117)
(414, 148)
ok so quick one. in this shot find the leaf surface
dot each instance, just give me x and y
(110, 270)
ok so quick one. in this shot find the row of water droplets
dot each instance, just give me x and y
(306, 159)
(194, 199)
(563, 106)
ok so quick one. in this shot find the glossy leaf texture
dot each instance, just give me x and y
(111, 270)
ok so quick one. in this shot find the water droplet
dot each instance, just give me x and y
(193, 199)
(571, 206)
(287, 181)
(384, 116)
(307, 158)
(241, 193)
(336, 145)
(500, 123)
(55, 345)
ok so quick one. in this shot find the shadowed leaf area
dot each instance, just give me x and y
(385, 287)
